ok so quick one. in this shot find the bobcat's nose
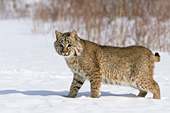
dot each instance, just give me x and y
(65, 50)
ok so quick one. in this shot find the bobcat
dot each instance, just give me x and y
(132, 66)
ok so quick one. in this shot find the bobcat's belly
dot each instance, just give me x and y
(116, 81)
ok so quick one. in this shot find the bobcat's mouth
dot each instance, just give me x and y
(65, 53)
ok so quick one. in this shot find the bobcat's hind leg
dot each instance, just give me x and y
(142, 93)
(155, 90)
(76, 85)
(151, 86)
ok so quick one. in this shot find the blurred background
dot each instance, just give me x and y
(106, 22)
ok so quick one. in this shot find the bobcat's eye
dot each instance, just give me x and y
(69, 45)
(61, 45)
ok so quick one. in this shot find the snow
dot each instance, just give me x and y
(34, 79)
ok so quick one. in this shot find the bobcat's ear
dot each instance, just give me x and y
(73, 34)
(58, 34)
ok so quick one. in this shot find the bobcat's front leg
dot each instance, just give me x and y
(95, 82)
(76, 85)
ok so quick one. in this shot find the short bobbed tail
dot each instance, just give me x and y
(156, 57)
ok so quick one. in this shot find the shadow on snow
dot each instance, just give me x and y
(61, 93)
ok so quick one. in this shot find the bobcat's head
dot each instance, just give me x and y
(68, 44)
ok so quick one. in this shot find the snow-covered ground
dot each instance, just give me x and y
(34, 78)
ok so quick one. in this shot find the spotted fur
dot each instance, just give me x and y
(131, 66)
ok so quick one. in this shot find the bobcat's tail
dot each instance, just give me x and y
(156, 57)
